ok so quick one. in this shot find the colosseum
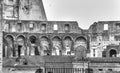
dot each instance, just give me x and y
(32, 44)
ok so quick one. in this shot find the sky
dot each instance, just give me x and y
(85, 12)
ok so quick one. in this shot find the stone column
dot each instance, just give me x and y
(39, 46)
(51, 45)
(62, 47)
(15, 49)
(1, 50)
(28, 45)
(72, 48)
(25, 45)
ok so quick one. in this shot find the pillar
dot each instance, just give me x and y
(1, 50)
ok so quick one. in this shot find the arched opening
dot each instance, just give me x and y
(56, 41)
(88, 70)
(33, 39)
(20, 46)
(80, 52)
(9, 50)
(39, 70)
(80, 41)
(67, 42)
(34, 48)
(45, 45)
(113, 53)
(19, 27)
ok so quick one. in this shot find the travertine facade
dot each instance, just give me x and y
(23, 10)
(104, 39)
(29, 42)
(30, 37)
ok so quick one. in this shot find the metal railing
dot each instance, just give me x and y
(64, 70)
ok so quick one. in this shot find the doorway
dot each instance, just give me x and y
(113, 53)
(19, 50)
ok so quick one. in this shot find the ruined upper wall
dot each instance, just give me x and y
(110, 27)
(35, 10)
(23, 10)
(41, 26)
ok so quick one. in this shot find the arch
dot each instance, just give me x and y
(44, 38)
(43, 26)
(68, 36)
(56, 41)
(20, 35)
(9, 46)
(80, 37)
(20, 45)
(80, 52)
(67, 43)
(43, 23)
(88, 70)
(33, 45)
(56, 37)
(112, 53)
(39, 70)
(33, 39)
(45, 45)
(9, 35)
(19, 26)
(20, 39)
(80, 41)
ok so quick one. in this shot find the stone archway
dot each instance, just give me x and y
(45, 45)
(80, 52)
(89, 70)
(20, 46)
(112, 53)
(56, 41)
(33, 39)
(39, 70)
(67, 43)
(33, 45)
(9, 50)
(80, 41)
(111, 50)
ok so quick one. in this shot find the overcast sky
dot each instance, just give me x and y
(85, 12)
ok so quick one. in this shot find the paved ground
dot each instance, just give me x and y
(18, 71)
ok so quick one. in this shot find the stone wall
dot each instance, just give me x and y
(43, 42)
(101, 36)
(41, 26)
(23, 10)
